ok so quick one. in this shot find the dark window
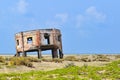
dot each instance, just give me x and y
(17, 42)
(47, 40)
(29, 40)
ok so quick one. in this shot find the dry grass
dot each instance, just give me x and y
(71, 58)
(57, 60)
(19, 61)
(47, 60)
(2, 59)
(47, 63)
(27, 61)
(102, 58)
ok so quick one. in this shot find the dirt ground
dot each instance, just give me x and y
(45, 66)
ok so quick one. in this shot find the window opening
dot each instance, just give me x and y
(17, 42)
(47, 40)
(29, 40)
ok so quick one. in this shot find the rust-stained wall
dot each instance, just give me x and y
(39, 40)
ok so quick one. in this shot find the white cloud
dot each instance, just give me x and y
(50, 23)
(63, 17)
(87, 22)
(92, 11)
(22, 6)
(91, 15)
(58, 20)
(80, 20)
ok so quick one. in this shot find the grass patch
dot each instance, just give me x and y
(26, 61)
(109, 72)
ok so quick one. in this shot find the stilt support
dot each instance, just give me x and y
(54, 53)
(60, 54)
(24, 54)
(39, 54)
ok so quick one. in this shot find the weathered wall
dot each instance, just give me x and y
(43, 39)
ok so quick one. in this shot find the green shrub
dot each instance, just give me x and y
(15, 78)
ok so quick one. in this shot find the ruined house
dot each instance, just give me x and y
(39, 40)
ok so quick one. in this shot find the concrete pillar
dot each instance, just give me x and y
(17, 54)
(54, 53)
(24, 54)
(39, 54)
(60, 54)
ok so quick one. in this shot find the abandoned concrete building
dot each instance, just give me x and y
(39, 40)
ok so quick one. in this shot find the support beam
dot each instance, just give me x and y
(60, 54)
(24, 54)
(39, 54)
(17, 54)
(54, 53)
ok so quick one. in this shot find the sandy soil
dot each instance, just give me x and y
(45, 66)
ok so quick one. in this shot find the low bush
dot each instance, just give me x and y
(20, 61)
(70, 58)
(102, 58)
(33, 59)
(2, 59)
(85, 59)
(47, 60)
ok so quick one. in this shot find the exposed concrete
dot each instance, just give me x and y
(39, 40)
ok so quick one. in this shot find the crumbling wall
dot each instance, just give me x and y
(39, 40)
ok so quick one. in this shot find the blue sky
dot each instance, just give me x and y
(87, 26)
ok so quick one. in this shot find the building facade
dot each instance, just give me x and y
(39, 40)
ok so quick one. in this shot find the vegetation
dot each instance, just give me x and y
(70, 65)
(86, 58)
(2, 59)
(57, 60)
(46, 60)
(102, 58)
(71, 58)
(27, 61)
(110, 71)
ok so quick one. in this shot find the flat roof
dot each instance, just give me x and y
(49, 29)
